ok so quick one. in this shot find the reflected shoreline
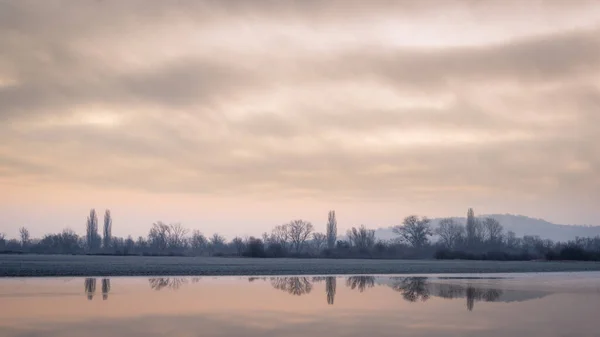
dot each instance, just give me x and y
(411, 289)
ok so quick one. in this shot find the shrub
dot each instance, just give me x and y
(255, 248)
(573, 253)
(276, 250)
(445, 254)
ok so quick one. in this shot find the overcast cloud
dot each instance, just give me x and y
(434, 105)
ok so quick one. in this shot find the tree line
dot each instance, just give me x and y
(478, 238)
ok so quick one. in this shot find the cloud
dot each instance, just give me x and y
(302, 98)
(553, 57)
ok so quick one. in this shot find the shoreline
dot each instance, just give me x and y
(82, 265)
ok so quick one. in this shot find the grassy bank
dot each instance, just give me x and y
(77, 265)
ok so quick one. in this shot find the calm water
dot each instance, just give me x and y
(478, 305)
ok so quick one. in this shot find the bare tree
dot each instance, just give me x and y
(299, 231)
(361, 238)
(176, 238)
(198, 242)
(216, 242)
(25, 238)
(493, 230)
(159, 236)
(2, 239)
(107, 230)
(479, 231)
(141, 244)
(450, 232)
(331, 230)
(318, 241)
(279, 235)
(511, 240)
(92, 236)
(239, 245)
(217, 239)
(415, 231)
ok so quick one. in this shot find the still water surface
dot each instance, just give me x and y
(475, 305)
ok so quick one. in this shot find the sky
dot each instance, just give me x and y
(236, 116)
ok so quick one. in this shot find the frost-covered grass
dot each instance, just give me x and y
(69, 265)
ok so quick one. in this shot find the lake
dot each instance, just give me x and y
(550, 304)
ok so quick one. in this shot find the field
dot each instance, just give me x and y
(77, 265)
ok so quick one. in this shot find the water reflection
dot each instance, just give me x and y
(159, 283)
(360, 282)
(105, 288)
(330, 284)
(89, 285)
(172, 283)
(252, 279)
(90, 288)
(285, 306)
(471, 293)
(412, 289)
(297, 286)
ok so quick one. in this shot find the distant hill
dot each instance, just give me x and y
(521, 225)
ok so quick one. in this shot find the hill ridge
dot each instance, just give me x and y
(521, 225)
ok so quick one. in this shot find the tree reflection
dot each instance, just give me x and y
(105, 288)
(330, 285)
(450, 291)
(412, 288)
(160, 283)
(360, 282)
(293, 285)
(478, 295)
(90, 287)
(492, 295)
(254, 278)
(470, 292)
